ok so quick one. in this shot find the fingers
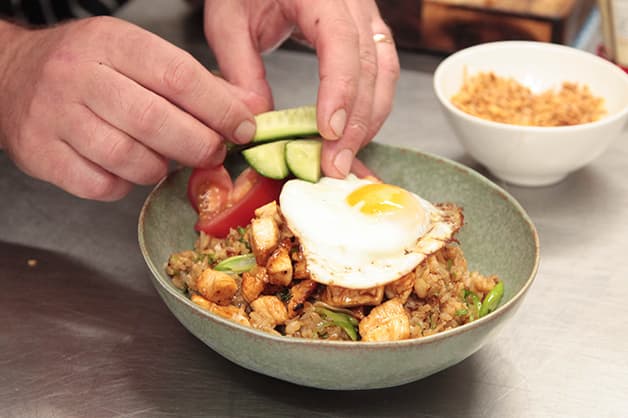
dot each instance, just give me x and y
(362, 171)
(329, 26)
(176, 76)
(56, 162)
(239, 59)
(387, 76)
(110, 148)
(151, 119)
(357, 74)
(338, 158)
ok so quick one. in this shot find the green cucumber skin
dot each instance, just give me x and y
(287, 123)
(303, 158)
(269, 159)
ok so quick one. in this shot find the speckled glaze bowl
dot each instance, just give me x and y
(498, 237)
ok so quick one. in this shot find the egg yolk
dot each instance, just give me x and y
(379, 198)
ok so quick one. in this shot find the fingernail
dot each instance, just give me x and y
(219, 155)
(343, 161)
(337, 122)
(244, 132)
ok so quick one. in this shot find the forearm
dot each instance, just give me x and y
(10, 37)
(40, 12)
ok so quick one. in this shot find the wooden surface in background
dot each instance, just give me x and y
(450, 25)
(543, 8)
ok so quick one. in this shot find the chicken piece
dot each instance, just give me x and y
(264, 238)
(253, 283)
(400, 288)
(299, 266)
(229, 312)
(298, 295)
(343, 297)
(216, 286)
(269, 210)
(279, 265)
(268, 312)
(386, 322)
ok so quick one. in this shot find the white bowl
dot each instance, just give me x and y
(528, 155)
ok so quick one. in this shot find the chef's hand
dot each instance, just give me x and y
(95, 105)
(358, 64)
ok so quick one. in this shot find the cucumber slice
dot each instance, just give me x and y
(268, 159)
(287, 123)
(304, 159)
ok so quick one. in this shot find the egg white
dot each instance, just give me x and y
(344, 247)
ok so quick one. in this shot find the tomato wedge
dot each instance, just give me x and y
(209, 189)
(223, 205)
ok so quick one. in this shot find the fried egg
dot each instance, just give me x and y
(359, 234)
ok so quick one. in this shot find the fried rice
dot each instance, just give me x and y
(439, 294)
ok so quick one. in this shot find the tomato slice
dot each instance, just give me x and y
(209, 189)
(224, 206)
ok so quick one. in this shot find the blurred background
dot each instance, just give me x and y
(446, 26)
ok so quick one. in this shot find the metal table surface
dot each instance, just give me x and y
(84, 334)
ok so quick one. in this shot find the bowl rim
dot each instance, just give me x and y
(527, 45)
(502, 309)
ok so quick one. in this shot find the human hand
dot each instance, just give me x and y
(357, 74)
(99, 104)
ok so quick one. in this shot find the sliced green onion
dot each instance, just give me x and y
(285, 295)
(237, 263)
(347, 322)
(473, 302)
(492, 299)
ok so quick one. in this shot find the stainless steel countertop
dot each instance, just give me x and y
(84, 334)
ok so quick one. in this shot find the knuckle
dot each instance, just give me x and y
(153, 174)
(97, 24)
(150, 117)
(101, 187)
(227, 117)
(360, 125)
(179, 76)
(392, 69)
(368, 62)
(346, 84)
(207, 148)
(118, 150)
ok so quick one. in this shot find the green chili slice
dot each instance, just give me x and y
(237, 263)
(492, 299)
(347, 322)
(473, 303)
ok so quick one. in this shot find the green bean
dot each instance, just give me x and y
(347, 322)
(492, 299)
(237, 263)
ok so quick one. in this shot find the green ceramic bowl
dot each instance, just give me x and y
(498, 237)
